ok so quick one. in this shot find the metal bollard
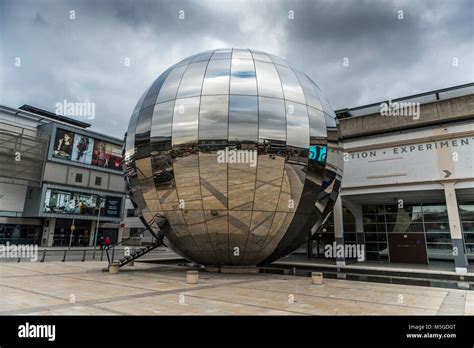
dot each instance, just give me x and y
(64, 257)
(84, 255)
(44, 255)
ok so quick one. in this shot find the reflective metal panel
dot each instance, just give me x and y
(297, 127)
(203, 56)
(238, 53)
(170, 87)
(268, 81)
(213, 118)
(150, 98)
(217, 77)
(222, 54)
(142, 132)
(185, 121)
(243, 119)
(317, 124)
(291, 86)
(310, 92)
(261, 56)
(191, 82)
(242, 80)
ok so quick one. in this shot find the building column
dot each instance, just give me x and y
(339, 230)
(460, 258)
(50, 232)
(356, 210)
(360, 237)
(120, 232)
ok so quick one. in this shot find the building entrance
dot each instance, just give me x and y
(407, 247)
(80, 236)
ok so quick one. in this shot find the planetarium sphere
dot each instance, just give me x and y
(232, 155)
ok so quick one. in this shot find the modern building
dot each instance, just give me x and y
(57, 177)
(408, 186)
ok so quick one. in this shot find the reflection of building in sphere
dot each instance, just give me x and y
(233, 104)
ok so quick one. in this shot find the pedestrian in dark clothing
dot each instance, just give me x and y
(102, 243)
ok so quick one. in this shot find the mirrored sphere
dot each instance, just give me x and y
(233, 155)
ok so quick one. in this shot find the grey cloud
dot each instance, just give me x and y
(83, 60)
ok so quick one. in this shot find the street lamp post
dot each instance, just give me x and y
(73, 227)
(97, 226)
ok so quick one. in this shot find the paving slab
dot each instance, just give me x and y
(73, 288)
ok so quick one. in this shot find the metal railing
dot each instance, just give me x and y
(66, 254)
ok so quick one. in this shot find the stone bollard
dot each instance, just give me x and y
(114, 268)
(317, 278)
(192, 277)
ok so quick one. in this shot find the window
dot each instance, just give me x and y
(430, 219)
(98, 180)
(466, 211)
(79, 177)
(131, 213)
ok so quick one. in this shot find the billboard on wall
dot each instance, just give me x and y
(58, 201)
(63, 144)
(84, 149)
(107, 155)
(112, 206)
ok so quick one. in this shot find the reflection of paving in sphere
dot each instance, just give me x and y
(233, 102)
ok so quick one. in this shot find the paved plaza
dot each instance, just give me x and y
(81, 288)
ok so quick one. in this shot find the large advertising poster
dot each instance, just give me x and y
(112, 206)
(58, 201)
(63, 144)
(107, 155)
(82, 149)
(77, 203)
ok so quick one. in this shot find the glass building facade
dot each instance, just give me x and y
(231, 103)
(430, 220)
(466, 211)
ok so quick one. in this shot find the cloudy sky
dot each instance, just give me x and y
(82, 59)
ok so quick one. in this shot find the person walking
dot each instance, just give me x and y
(102, 243)
(107, 242)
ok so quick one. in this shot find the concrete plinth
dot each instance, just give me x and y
(192, 277)
(114, 268)
(317, 278)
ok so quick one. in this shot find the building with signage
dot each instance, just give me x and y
(408, 187)
(57, 177)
